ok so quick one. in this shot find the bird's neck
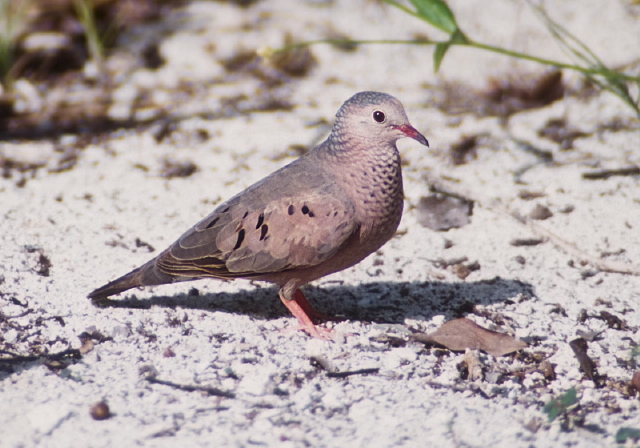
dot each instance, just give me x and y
(372, 177)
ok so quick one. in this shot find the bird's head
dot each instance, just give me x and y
(373, 118)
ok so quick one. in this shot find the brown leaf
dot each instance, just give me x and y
(561, 132)
(439, 212)
(579, 347)
(87, 346)
(474, 365)
(547, 370)
(172, 168)
(464, 150)
(540, 213)
(635, 381)
(462, 334)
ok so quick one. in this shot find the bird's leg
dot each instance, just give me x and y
(300, 308)
(315, 315)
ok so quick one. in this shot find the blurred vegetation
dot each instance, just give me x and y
(85, 10)
(54, 76)
(561, 405)
(12, 20)
(438, 14)
(48, 47)
(40, 38)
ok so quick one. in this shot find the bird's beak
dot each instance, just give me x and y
(410, 131)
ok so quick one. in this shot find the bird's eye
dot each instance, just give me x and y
(379, 116)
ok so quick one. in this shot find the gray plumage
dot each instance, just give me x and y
(320, 214)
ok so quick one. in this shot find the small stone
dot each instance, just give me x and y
(100, 411)
(540, 213)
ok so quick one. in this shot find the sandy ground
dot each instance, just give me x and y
(234, 372)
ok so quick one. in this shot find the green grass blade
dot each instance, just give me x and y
(561, 404)
(85, 10)
(599, 73)
(625, 434)
(438, 54)
(437, 13)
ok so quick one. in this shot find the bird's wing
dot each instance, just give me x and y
(250, 236)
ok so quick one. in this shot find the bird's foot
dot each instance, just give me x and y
(315, 331)
(313, 314)
(304, 312)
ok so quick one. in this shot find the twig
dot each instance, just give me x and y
(208, 390)
(605, 174)
(352, 372)
(72, 354)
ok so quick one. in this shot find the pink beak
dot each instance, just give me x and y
(410, 131)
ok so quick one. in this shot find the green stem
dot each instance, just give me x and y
(350, 42)
(600, 71)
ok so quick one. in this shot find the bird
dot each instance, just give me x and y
(322, 213)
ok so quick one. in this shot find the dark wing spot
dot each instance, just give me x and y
(311, 214)
(240, 239)
(212, 223)
(260, 221)
(226, 210)
(245, 214)
(263, 231)
(305, 209)
(291, 209)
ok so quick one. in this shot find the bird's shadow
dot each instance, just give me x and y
(382, 302)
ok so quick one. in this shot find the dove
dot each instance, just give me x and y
(322, 213)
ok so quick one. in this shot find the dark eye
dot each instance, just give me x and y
(379, 116)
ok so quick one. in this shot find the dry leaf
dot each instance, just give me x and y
(462, 334)
(579, 347)
(547, 370)
(464, 150)
(635, 381)
(474, 364)
(438, 212)
(87, 346)
(540, 213)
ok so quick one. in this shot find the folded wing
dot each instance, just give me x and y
(242, 240)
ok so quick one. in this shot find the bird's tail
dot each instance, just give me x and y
(145, 275)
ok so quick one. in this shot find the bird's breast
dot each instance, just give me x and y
(375, 187)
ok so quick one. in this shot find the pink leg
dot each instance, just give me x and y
(306, 306)
(300, 308)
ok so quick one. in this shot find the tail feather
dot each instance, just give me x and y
(145, 275)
